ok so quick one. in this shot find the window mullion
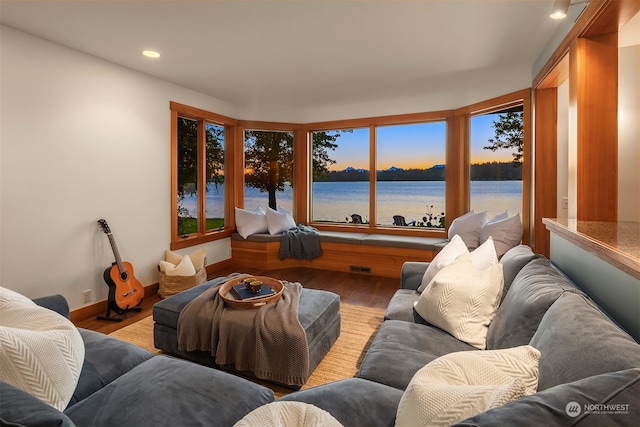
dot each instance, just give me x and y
(372, 176)
(202, 179)
(174, 175)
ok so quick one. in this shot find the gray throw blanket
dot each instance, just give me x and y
(301, 242)
(269, 341)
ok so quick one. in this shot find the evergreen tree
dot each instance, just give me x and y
(508, 134)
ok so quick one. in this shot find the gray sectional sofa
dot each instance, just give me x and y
(124, 385)
(585, 356)
(586, 360)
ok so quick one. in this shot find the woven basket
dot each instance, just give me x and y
(171, 285)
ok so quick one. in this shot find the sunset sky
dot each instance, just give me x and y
(414, 146)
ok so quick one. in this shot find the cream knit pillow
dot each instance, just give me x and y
(446, 256)
(462, 300)
(482, 257)
(41, 352)
(460, 385)
(197, 258)
(184, 268)
(289, 414)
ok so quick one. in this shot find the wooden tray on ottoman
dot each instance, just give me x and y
(230, 301)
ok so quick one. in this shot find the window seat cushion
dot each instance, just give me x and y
(410, 242)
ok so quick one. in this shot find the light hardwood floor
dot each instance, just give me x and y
(353, 288)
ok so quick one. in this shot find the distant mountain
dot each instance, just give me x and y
(350, 169)
(492, 171)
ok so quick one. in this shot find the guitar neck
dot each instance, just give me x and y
(116, 254)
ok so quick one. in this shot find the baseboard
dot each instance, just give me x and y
(100, 307)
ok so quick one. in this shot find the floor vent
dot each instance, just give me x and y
(359, 269)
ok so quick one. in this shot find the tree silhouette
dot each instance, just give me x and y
(508, 134)
(269, 159)
(320, 143)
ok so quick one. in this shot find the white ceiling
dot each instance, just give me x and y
(290, 55)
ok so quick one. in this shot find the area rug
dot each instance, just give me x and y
(358, 327)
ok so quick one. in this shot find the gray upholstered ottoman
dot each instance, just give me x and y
(319, 314)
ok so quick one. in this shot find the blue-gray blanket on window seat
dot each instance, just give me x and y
(301, 242)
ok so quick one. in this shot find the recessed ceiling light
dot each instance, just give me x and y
(560, 9)
(151, 54)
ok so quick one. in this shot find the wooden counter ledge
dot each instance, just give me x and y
(617, 243)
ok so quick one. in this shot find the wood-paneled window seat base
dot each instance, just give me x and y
(376, 254)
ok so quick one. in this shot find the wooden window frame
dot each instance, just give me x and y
(202, 117)
(298, 148)
(372, 124)
(457, 161)
(463, 140)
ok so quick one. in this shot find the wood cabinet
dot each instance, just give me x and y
(587, 61)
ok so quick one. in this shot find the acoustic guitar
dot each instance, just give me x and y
(125, 290)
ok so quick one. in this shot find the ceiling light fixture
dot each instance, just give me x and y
(560, 9)
(151, 54)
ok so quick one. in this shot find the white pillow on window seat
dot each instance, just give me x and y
(468, 227)
(279, 221)
(506, 233)
(250, 222)
(499, 217)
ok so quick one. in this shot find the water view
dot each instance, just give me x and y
(337, 201)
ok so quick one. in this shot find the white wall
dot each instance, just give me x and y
(563, 152)
(83, 139)
(628, 124)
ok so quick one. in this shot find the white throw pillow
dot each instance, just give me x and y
(459, 385)
(482, 257)
(184, 268)
(289, 414)
(250, 222)
(446, 256)
(279, 221)
(41, 351)
(462, 300)
(506, 233)
(502, 215)
(468, 227)
(197, 258)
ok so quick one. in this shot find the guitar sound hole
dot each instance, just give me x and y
(124, 276)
